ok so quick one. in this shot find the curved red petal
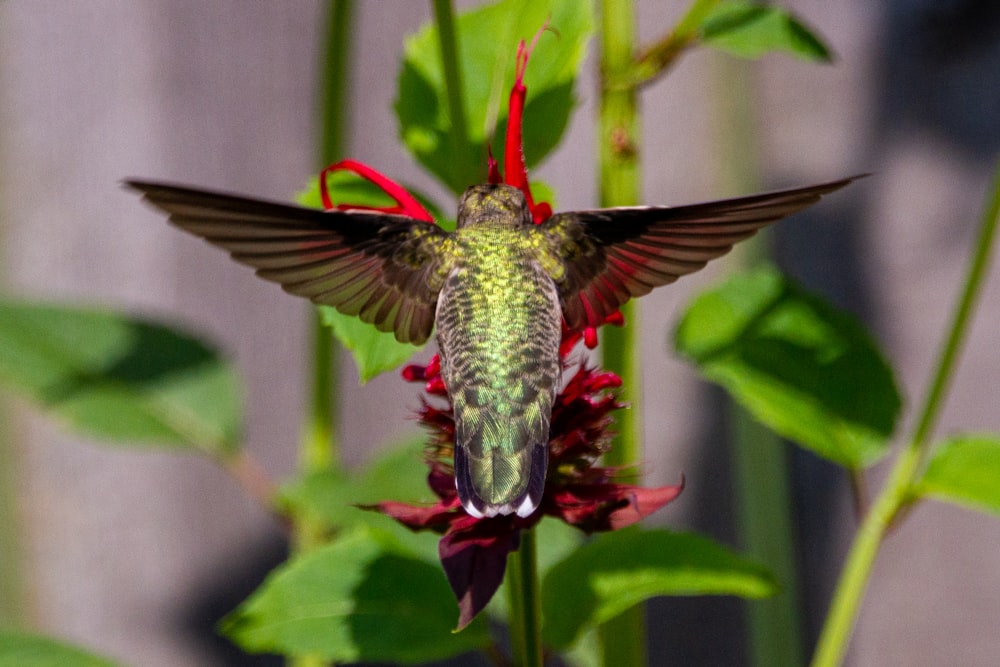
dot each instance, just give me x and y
(408, 205)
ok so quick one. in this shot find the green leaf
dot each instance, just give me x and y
(24, 650)
(809, 372)
(333, 497)
(361, 598)
(488, 38)
(752, 29)
(374, 351)
(120, 378)
(965, 470)
(620, 569)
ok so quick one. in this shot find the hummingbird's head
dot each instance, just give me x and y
(496, 203)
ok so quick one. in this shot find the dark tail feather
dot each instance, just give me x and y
(524, 505)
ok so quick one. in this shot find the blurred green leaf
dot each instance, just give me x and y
(965, 470)
(752, 29)
(120, 378)
(23, 650)
(333, 497)
(809, 372)
(620, 569)
(488, 38)
(374, 351)
(361, 598)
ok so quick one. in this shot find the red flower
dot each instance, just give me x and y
(474, 551)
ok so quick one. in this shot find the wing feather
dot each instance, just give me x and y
(607, 256)
(387, 269)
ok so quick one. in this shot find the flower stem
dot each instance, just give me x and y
(656, 60)
(763, 511)
(318, 449)
(896, 494)
(525, 603)
(623, 638)
(458, 132)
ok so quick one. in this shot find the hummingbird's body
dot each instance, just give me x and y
(498, 288)
(498, 330)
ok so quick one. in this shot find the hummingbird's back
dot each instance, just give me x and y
(499, 326)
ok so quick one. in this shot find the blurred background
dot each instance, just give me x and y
(136, 554)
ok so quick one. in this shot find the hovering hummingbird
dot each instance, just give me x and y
(498, 288)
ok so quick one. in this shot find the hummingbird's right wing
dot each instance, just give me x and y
(605, 257)
(385, 269)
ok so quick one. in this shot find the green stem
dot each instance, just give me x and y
(458, 132)
(11, 593)
(525, 603)
(623, 638)
(897, 491)
(335, 70)
(763, 510)
(656, 60)
(318, 449)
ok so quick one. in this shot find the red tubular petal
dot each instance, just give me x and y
(513, 158)
(615, 319)
(414, 373)
(407, 204)
(495, 177)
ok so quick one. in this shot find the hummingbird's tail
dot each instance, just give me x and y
(495, 483)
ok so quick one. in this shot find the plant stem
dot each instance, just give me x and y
(656, 60)
(623, 638)
(525, 603)
(319, 450)
(11, 592)
(458, 132)
(763, 509)
(335, 71)
(896, 494)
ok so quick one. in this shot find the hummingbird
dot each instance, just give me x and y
(498, 289)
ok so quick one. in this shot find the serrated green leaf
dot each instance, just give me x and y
(488, 38)
(965, 470)
(120, 378)
(620, 569)
(361, 598)
(24, 650)
(806, 370)
(752, 29)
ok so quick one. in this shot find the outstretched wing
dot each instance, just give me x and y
(608, 256)
(386, 269)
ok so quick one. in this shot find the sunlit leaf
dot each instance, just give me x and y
(620, 569)
(806, 370)
(752, 29)
(120, 378)
(965, 470)
(362, 598)
(488, 38)
(24, 650)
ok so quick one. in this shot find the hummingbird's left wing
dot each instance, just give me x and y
(385, 269)
(608, 256)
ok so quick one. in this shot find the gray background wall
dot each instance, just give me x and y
(125, 551)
